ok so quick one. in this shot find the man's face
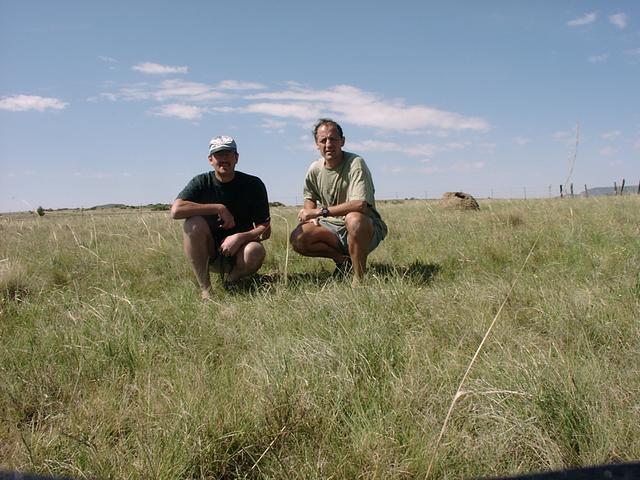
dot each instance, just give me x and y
(330, 143)
(224, 163)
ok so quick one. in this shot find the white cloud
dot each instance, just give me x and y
(460, 167)
(467, 167)
(608, 151)
(521, 141)
(619, 20)
(272, 124)
(413, 170)
(192, 91)
(99, 175)
(361, 108)
(415, 150)
(107, 59)
(157, 69)
(611, 135)
(301, 111)
(185, 112)
(586, 19)
(378, 146)
(23, 103)
(236, 85)
(167, 90)
(598, 58)
(561, 135)
(349, 104)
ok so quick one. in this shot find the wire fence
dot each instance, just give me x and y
(521, 193)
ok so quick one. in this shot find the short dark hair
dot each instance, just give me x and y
(326, 121)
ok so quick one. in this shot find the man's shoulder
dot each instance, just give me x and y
(247, 178)
(353, 158)
(316, 165)
(202, 180)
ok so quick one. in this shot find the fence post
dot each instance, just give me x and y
(638, 187)
(622, 187)
(615, 188)
(561, 196)
(571, 189)
(586, 192)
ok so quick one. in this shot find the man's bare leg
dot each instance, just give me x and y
(199, 247)
(313, 240)
(360, 233)
(249, 259)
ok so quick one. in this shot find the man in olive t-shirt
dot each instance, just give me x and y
(226, 216)
(346, 227)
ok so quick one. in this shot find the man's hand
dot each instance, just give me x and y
(226, 219)
(231, 245)
(307, 214)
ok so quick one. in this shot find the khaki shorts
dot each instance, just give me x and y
(340, 231)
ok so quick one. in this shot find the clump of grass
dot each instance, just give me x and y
(14, 286)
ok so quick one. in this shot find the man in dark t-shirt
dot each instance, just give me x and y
(226, 216)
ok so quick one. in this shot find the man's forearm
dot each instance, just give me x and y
(257, 233)
(342, 209)
(185, 209)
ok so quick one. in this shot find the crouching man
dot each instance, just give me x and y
(339, 219)
(226, 216)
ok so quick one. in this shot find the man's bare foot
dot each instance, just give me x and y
(205, 294)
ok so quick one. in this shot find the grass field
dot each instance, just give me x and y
(111, 366)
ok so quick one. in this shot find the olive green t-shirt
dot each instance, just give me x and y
(351, 180)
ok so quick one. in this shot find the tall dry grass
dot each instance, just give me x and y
(111, 367)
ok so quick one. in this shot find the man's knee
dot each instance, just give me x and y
(297, 239)
(253, 255)
(196, 226)
(358, 223)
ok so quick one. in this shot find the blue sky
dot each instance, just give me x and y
(115, 102)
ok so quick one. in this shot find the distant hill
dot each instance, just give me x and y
(151, 206)
(599, 191)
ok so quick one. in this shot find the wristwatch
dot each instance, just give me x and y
(324, 212)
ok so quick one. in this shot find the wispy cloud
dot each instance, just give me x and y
(468, 167)
(274, 125)
(608, 151)
(412, 150)
(361, 108)
(413, 170)
(158, 69)
(521, 141)
(300, 111)
(561, 135)
(598, 58)
(167, 90)
(185, 112)
(350, 104)
(585, 19)
(237, 85)
(611, 135)
(23, 103)
(619, 20)
(107, 59)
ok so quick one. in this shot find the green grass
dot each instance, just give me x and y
(111, 366)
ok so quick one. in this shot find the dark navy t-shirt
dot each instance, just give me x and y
(245, 196)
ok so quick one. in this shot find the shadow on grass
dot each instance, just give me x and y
(418, 273)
